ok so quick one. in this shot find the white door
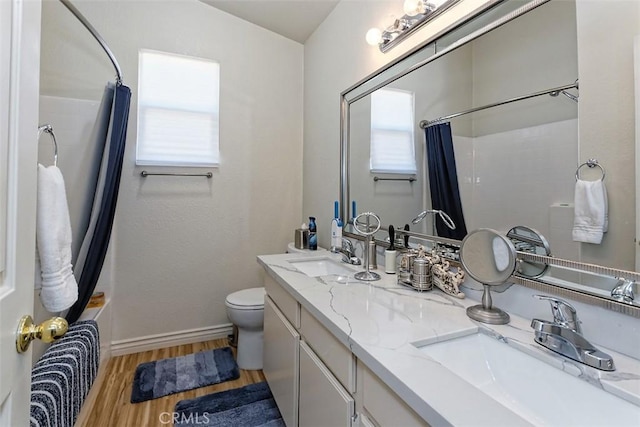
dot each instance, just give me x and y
(19, 86)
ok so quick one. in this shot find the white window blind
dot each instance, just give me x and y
(392, 124)
(178, 110)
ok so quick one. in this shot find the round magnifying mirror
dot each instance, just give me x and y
(526, 239)
(490, 258)
(487, 256)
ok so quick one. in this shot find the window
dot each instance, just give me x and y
(178, 110)
(392, 143)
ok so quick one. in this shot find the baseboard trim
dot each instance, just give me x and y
(153, 342)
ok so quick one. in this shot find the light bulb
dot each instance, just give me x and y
(374, 36)
(413, 7)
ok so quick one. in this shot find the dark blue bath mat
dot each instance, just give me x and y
(169, 376)
(248, 406)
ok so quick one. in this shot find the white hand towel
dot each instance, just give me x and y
(59, 289)
(591, 211)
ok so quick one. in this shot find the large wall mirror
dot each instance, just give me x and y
(516, 162)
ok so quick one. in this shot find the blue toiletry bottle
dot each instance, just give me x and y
(313, 234)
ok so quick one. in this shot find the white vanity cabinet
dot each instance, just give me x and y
(323, 400)
(280, 361)
(315, 379)
(303, 381)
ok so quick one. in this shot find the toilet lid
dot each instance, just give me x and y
(249, 298)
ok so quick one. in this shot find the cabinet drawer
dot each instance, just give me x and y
(332, 352)
(323, 401)
(384, 406)
(285, 302)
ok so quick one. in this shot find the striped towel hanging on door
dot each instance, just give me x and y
(61, 379)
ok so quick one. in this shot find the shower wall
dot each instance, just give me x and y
(182, 244)
(502, 169)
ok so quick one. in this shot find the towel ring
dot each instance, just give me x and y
(49, 129)
(592, 163)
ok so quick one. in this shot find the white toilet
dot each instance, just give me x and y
(245, 309)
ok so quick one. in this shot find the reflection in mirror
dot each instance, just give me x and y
(526, 239)
(515, 161)
(489, 258)
(446, 219)
(523, 153)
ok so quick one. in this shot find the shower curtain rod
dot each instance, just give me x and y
(553, 92)
(97, 36)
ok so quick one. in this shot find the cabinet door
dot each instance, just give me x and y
(323, 401)
(280, 364)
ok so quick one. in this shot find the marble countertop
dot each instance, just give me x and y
(384, 323)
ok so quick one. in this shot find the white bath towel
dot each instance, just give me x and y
(59, 289)
(591, 211)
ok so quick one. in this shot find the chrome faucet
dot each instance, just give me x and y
(623, 291)
(563, 336)
(348, 254)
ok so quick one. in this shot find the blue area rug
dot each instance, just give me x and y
(169, 376)
(248, 406)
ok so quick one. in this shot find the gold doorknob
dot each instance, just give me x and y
(47, 331)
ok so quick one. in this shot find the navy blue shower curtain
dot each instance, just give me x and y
(443, 179)
(105, 207)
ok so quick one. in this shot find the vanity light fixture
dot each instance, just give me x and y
(417, 13)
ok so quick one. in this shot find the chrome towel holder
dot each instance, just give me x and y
(145, 174)
(591, 163)
(47, 128)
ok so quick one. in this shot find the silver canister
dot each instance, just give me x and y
(406, 266)
(301, 238)
(373, 262)
(421, 277)
(421, 266)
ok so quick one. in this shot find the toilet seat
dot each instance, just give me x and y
(246, 299)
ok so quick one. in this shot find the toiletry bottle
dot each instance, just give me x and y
(336, 229)
(390, 253)
(313, 234)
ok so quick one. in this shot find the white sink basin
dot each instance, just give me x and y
(314, 267)
(535, 390)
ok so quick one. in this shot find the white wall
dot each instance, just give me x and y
(182, 244)
(605, 59)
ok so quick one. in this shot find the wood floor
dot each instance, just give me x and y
(113, 407)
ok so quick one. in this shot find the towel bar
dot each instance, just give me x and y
(49, 129)
(146, 174)
(592, 163)
(410, 179)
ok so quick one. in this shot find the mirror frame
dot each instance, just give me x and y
(394, 71)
